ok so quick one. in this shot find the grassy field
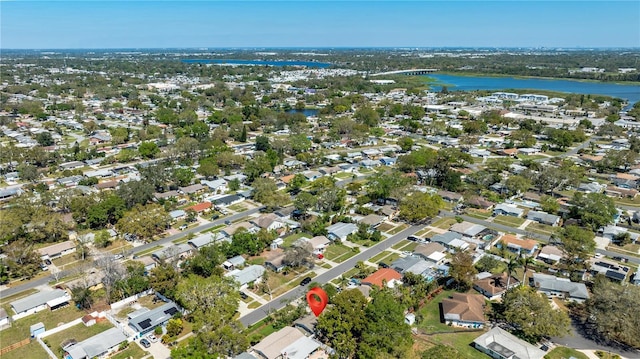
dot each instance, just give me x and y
(237, 207)
(410, 247)
(539, 228)
(20, 328)
(509, 221)
(289, 240)
(399, 229)
(431, 325)
(31, 350)
(565, 353)
(338, 253)
(149, 251)
(133, 351)
(400, 244)
(443, 223)
(478, 213)
(78, 333)
(385, 227)
(379, 256)
(260, 330)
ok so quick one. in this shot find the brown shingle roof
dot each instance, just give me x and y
(463, 306)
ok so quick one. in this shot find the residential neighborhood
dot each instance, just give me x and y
(184, 208)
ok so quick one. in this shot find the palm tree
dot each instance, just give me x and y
(512, 264)
(526, 261)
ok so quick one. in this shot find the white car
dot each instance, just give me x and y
(152, 338)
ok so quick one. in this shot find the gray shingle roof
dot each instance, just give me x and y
(37, 299)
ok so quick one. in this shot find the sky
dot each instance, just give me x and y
(307, 23)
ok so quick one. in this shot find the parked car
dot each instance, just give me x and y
(152, 338)
(47, 262)
(227, 222)
(145, 343)
(183, 227)
(305, 281)
(383, 265)
(243, 295)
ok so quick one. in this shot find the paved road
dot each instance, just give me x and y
(540, 237)
(278, 303)
(45, 280)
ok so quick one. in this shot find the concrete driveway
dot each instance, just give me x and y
(157, 350)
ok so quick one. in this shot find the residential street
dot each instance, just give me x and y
(278, 303)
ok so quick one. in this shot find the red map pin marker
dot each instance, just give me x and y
(317, 299)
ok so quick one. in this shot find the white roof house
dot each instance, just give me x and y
(39, 301)
(247, 275)
(97, 346)
(553, 286)
(499, 343)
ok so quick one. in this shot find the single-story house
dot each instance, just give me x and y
(307, 324)
(57, 250)
(411, 264)
(550, 254)
(517, 245)
(371, 220)
(507, 210)
(165, 195)
(468, 229)
(275, 260)
(268, 221)
(206, 239)
(494, 286)
(311, 175)
(148, 321)
(318, 243)
(451, 240)
(5, 319)
(177, 251)
(230, 230)
(553, 286)
(40, 301)
(227, 200)
(148, 262)
(217, 186)
(289, 343)
(593, 187)
(427, 249)
(194, 188)
(201, 207)
(383, 276)
(450, 196)
(177, 214)
(234, 263)
(611, 270)
(544, 218)
(464, 310)
(341, 230)
(479, 202)
(249, 274)
(500, 344)
(98, 346)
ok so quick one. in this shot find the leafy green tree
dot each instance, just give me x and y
(148, 149)
(532, 315)
(207, 262)
(577, 244)
(342, 324)
(44, 139)
(405, 143)
(614, 311)
(266, 192)
(82, 296)
(164, 279)
(144, 221)
(305, 201)
(462, 269)
(212, 304)
(419, 206)
(28, 172)
(387, 184)
(135, 192)
(549, 204)
(183, 176)
(517, 184)
(367, 116)
(385, 332)
(102, 239)
(297, 182)
(594, 210)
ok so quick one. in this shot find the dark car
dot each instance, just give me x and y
(227, 222)
(243, 295)
(305, 281)
(145, 343)
(383, 265)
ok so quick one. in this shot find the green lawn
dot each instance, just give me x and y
(399, 229)
(385, 227)
(254, 305)
(443, 223)
(338, 253)
(509, 221)
(565, 353)
(478, 213)
(215, 228)
(149, 251)
(539, 228)
(400, 244)
(133, 351)
(422, 232)
(431, 324)
(31, 350)
(289, 240)
(379, 256)
(20, 328)
(410, 247)
(237, 207)
(78, 332)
